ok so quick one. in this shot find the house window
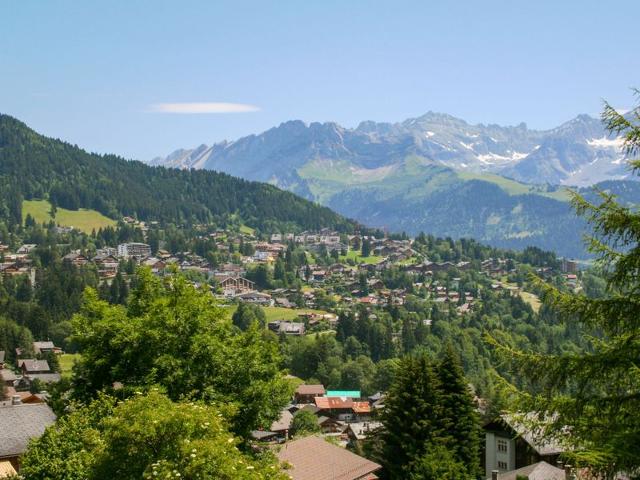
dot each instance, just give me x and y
(502, 465)
(502, 446)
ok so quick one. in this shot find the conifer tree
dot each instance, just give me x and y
(460, 420)
(412, 417)
(595, 395)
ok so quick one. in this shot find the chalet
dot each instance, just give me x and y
(330, 426)
(282, 426)
(284, 302)
(76, 259)
(510, 445)
(235, 285)
(156, 265)
(343, 408)
(45, 347)
(30, 366)
(106, 264)
(27, 248)
(255, 297)
(313, 458)
(307, 393)
(2, 358)
(359, 431)
(7, 377)
(20, 423)
(229, 270)
(288, 328)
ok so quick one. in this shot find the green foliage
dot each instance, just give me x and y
(438, 464)
(595, 393)
(174, 335)
(304, 422)
(420, 417)
(14, 336)
(248, 314)
(147, 436)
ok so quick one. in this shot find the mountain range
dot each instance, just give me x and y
(577, 153)
(435, 173)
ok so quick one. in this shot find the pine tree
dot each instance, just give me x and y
(412, 417)
(595, 394)
(461, 422)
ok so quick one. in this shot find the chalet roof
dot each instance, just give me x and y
(7, 375)
(39, 346)
(360, 430)
(31, 365)
(20, 423)
(361, 407)
(512, 425)
(536, 471)
(310, 390)
(313, 458)
(283, 423)
(328, 403)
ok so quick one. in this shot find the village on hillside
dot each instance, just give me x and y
(303, 282)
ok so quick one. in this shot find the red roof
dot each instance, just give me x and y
(328, 403)
(361, 407)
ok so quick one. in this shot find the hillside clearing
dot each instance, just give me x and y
(83, 219)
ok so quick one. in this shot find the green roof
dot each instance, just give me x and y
(343, 393)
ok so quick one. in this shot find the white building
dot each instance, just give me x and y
(140, 250)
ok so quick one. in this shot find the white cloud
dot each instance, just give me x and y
(203, 107)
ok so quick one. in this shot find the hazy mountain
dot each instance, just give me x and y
(578, 152)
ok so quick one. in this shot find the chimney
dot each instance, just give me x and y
(494, 474)
(16, 400)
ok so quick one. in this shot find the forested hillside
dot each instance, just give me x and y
(34, 166)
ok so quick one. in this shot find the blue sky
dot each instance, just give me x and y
(100, 74)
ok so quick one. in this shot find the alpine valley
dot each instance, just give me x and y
(507, 186)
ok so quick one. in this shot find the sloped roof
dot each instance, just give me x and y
(536, 471)
(361, 407)
(532, 435)
(325, 403)
(313, 458)
(32, 365)
(310, 390)
(283, 423)
(20, 423)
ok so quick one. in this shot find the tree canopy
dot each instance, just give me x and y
(146, 436)
(174, 335)
(593, 395)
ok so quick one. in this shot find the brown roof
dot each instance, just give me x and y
(325, 403)
(361, 407)
(537, 471)
(312, 458)
(310, 390)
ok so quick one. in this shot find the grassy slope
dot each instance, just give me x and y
(516, 188)
(280, 313)
(66, 363)
(356, 256)
(415, 177)
(85, 220)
